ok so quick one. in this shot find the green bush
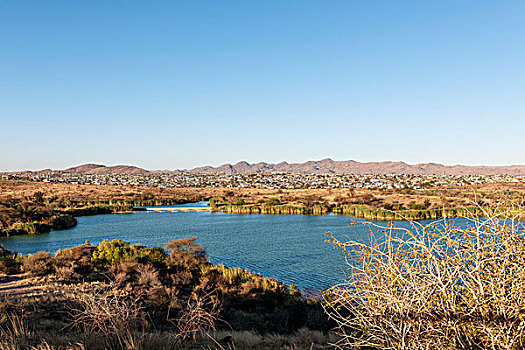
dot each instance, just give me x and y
(154, 255)
(109, 253)
(273, 201)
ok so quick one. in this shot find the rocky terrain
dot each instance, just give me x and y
(327, 166)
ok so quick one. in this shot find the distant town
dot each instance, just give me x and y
(264, 180)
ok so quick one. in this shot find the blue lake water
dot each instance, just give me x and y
(289, 248)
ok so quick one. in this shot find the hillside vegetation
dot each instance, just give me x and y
(122, 296)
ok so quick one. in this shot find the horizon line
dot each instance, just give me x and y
(265, 162)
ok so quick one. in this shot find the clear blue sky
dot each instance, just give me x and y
(177, 84)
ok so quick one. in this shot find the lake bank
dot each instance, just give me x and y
(289, 248)
(358, 211)
(128, 288)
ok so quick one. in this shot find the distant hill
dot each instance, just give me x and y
(96, 169)
(329, 166)
(325, 166)
(83, 169)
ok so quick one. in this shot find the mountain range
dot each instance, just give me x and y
(325, 166)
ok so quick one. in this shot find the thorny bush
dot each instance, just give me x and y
(438, 286)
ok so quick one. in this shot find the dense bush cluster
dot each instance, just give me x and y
(175, 289)
(39, 214)
(33, 215)
(109, 253)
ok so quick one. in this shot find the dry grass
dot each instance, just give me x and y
(20, 337)
(302, 339)
(106, 321)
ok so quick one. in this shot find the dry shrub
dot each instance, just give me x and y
(198, 316)
(186, 251)
(81, 254)
(45, 345)
(148, 276)
(78, 259)
(124, 273)
(120, 279)
(14, 332)
(39, 264)
(66, 273)
(129, 273)
(127, 267)
(150, 285)
(118, 318)
(435, 287)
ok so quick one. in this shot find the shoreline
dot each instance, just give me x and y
(357, 211)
